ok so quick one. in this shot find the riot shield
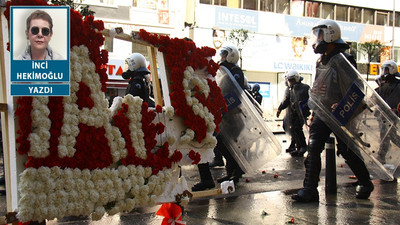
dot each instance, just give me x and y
(243, 130)
(362, 119)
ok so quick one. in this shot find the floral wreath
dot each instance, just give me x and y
(84, 158)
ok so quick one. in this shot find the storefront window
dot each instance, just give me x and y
(341, 13)
(327, 11)
(282, 6)
(312, 9)
(250, 4)
(267, 5)
(368, 16)
(382, 18)
(355, 15)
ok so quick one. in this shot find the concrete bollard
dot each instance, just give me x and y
(330, 169)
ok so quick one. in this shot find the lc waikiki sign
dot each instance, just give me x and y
(300, 66)
(229, 18)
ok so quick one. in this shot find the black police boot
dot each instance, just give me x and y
(313, 167)
(224, 178)
(206, 180)
(363, 191)
(306, 195)
(292, 147)
(299, 152)
(217, 162)
(236, 175)
(357, 165)
(203, 185)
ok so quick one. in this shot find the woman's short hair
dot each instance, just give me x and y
(39, 14)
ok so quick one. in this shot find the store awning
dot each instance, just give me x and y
(117, 84)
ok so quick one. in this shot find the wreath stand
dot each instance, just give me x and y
(8, 126)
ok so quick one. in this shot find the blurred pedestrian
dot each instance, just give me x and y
(295, 101)
(331, 83)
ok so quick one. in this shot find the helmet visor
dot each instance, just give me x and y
(223, 53)
(318, 35)
(385, 70)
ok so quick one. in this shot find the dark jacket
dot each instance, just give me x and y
(138, 83)
(236, 71)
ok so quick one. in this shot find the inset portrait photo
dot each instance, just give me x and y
(39, 33)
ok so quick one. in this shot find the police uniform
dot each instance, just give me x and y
(295, 101)
(329, 72)
(389, 90)
(138, 84)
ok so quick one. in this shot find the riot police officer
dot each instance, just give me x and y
(389, 90)
(295, 101)
(255, 92)
(138, 74)
(326, 85)
(229, 58)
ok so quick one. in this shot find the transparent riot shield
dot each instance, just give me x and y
(243, 130)
(362, 119)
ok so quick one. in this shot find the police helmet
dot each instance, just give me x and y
(256, 87)
(230, 53)
(326, 31)
(293, 74)
(389, 67)
(136, 61)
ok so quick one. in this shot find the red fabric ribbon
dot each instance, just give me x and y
(172, 214)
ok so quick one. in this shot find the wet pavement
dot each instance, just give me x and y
(264, 197)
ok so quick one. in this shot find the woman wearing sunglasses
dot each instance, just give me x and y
(39, 30)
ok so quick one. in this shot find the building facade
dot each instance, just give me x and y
(279, 32)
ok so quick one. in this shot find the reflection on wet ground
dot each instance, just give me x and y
(266, 199)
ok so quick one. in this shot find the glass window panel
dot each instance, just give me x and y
(206, 2)
(297, 8)
(368, 16)
(396, 55)
(267, 5)
(355, 14)
(397, 19)
(282, 6)
(250, 4)
(220, 2)
(312, 9)
(327, 11)
(390, 15)
(341, 13)
(382, 18)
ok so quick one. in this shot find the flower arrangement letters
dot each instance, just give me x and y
(84, 158)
